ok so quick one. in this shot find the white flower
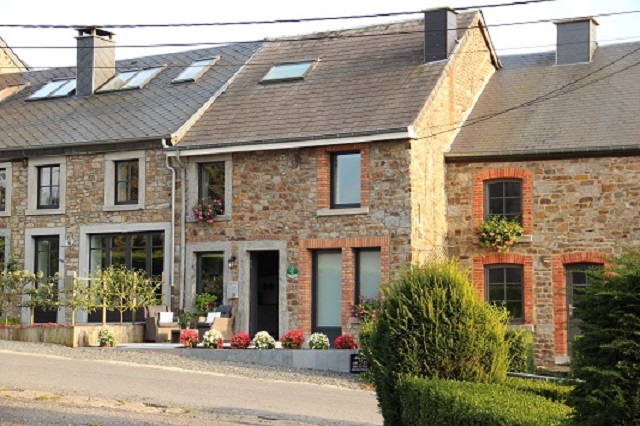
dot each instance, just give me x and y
(263, 340)
(318, 341)
(211, 338)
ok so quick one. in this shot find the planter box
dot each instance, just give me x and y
(328, 360)
(72, 336)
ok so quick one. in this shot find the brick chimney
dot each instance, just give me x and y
(440, 33)
(96, 62)
(576, 40)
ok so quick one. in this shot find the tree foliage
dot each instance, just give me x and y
(433, 325)
(607, 354)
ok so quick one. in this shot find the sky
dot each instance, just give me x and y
(510, 39)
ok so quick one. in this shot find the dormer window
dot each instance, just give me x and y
(287, 72)
(55, 89)
(131, 79)
(194, 71)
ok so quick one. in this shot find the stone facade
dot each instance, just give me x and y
(582, 210)
(83, 211)
(467, 72)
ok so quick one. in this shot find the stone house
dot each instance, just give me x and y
(560, 151)
(318, 154)
(84, 181)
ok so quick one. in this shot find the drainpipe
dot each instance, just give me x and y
(173, 217)
(183, 228)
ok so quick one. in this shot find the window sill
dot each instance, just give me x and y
(343, 212)
(122, 207)
(221, 218)
(524, 239)
(43, 212)
(521, 326)
(5, 213)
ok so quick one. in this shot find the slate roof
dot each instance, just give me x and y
(601, 115)
(367, 80)
(157, 110)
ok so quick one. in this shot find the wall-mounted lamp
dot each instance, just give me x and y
(545, 260)
(231, 261)
(68, 241)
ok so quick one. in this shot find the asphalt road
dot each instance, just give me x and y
(268, 401)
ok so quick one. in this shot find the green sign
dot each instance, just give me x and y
(292, 272)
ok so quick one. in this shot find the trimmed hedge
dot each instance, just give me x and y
(435, 402)
(554, 391)
(520, 350)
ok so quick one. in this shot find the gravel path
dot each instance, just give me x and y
(166, 359)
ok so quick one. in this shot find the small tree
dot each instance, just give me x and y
(42, 292)
(14, 285)
(79, 297)
(607, 355)
(432, 324)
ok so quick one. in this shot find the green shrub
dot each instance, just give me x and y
(557, 391)
(433, 325)
(520, 350)
(607, 355)
(437, 402)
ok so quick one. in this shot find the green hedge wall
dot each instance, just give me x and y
(520, 350)
(435, 402)
(555, 391)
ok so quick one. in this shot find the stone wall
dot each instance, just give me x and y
(582, 210)
(84, 207)
(466, 74)
(275, 198)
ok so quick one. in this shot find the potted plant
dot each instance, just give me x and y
(205, 302)
(185, 319)
(263, 340)
(318, 341)
(499, 233)
(240, 340)
(213, 339)
(189, 338)
(106, 337)
(292, 339)
(206, 210)
(346, 341)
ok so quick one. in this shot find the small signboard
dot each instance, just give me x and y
(292, 272)
(359, 363)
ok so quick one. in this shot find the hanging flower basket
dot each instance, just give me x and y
(499, 233)
(207, 210)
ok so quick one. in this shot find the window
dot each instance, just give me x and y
(367, 273)
(133, 79)
(345, 180)
(211, 181)
(55, 89)
(195, 70)
(139, 250)
(47, 255)
(327, 300)
(503, 198)
(504, 288)
(46, 186)
(288, 71)
(49, 187)
(126, 182)
(3, 189)
(210, 277)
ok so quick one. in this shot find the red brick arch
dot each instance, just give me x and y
(526, 261)
(558, 264)
(508, 173)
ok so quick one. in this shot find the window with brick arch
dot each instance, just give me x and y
(503, 197)
(504, 287)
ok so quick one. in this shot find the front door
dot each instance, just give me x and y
(577, 280)
(264, 279)
(327, 293)
(47, 261)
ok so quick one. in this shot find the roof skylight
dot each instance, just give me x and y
(195, 70)
(132, 79)
(55, 88)
(288, 71)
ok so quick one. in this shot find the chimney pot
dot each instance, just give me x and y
(96, 59)
(440, 33)
(576, 40)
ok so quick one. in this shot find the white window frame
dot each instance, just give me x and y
(110, 160)
(193, 169)
(8, 190)
(32, 176)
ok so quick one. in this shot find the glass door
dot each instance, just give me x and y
(327, 293)
(47, 261)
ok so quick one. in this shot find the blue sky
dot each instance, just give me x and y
(509, 39)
